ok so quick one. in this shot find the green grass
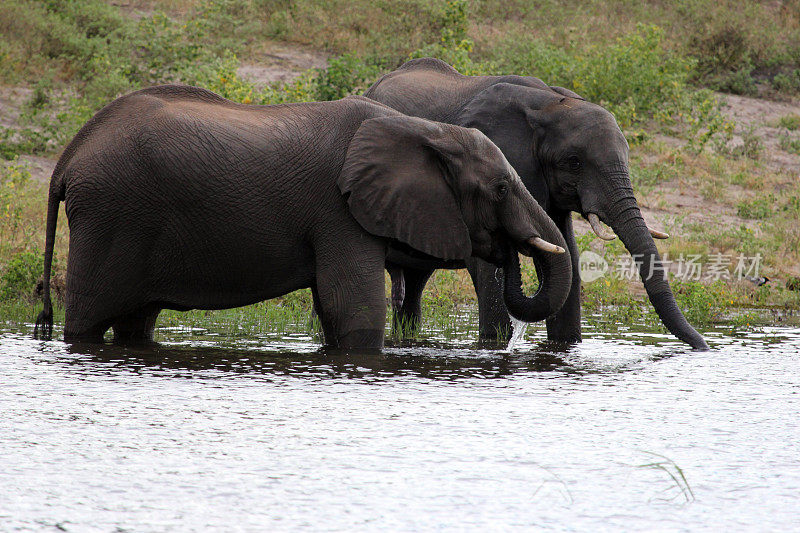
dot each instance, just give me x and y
(790, 122)
(790, 143)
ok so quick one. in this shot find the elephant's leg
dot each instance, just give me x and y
(106, 280)
(566, 324)
(316, 307)
(351, 294)
(408, 317)
(136, 327)
(79, 330)
(397, 276)
(89, 311)
(493, 319)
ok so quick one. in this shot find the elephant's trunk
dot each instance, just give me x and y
(549, 297)
(533, 232)
(625, 218)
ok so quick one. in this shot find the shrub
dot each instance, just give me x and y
(637, 78)
(20, 275)
(737, 82)
(697, 301)
(346, 75)
(787, 81)
(454, 47)
(723, 61)
(636, 70)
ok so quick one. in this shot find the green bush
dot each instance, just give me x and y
(789, 143)
(737, 82)
(787, 81)
(636, 70)
(21, 275)
(454, 47)
(723, 61)
(698, 302)
(346, 75)
(637, 78)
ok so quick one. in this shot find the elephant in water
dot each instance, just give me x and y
(571, 156)
(180, 199)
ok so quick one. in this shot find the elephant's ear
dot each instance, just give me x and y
(399, 173)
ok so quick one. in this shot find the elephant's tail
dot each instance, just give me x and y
(45, 318)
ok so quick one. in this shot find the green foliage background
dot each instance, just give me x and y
(84, 53)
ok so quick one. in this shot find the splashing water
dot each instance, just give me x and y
(520, 328)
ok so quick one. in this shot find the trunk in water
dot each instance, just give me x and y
(555, 278)
(627, 222)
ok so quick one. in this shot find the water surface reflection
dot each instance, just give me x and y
(212, 432)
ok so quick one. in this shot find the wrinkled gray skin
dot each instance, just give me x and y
(180, 199)
(570, 154)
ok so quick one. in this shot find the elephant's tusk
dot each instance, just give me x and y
(658, 234)
(543, 245)
(594, 221)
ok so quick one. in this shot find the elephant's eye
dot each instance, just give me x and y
(574, 164)
(502, 190)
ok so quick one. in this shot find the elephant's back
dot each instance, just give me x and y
(208, 170)
(432, 89)
(191, 137)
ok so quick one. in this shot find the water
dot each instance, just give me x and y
(627, 431)
(519, 330)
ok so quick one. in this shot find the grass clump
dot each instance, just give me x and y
(758, 208)
(789, 143)
(789, 122)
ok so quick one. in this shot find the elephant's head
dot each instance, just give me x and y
(449, 192)
(573, 157)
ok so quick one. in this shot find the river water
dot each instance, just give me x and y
(627, 431)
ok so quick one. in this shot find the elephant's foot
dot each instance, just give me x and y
(360, 340)
(135, 328)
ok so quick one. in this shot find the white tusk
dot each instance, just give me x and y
(594, 221)
(658, 234)
(543, 245)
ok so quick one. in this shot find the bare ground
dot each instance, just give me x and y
(280, 63)
(675, 205)
(761, 118)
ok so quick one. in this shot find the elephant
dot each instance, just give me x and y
(180, 199)
(571, 156)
